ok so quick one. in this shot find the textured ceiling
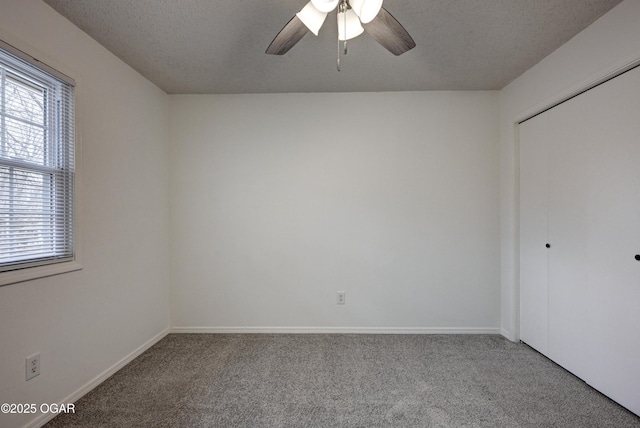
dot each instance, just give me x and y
(217, 46)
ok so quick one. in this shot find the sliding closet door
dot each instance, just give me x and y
(613, 291)
(592, 179)
(534, 209)
(553, 169)
(568, 218)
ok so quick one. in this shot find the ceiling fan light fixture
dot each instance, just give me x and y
(354, 28)
(312, 17)
(366, 10)
(376, 20)
(325, 5)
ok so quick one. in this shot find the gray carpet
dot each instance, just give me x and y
(251, 380)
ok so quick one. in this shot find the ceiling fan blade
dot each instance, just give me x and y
(287, 37)
(387, 31)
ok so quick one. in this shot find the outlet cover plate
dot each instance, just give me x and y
(33, 366)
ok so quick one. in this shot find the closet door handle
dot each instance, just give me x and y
(548, 246)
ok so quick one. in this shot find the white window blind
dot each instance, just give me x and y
(36, 162)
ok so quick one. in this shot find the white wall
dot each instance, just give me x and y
(278, 201)
(85, 322)
(609, 44)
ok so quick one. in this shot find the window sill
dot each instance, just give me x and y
(28, 274)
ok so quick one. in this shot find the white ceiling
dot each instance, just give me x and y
(217, 46)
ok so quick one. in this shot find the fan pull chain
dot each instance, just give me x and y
(345, 27)
(342, 8)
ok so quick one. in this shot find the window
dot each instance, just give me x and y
(36, 163)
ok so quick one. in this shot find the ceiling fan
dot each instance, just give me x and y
(354, 17)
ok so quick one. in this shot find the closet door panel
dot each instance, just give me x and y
(568, 173)
(534, 188)
(613, 292)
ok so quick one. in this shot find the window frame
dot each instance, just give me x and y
(29, 271)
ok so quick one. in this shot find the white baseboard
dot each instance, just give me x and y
(507, 335)
(79, 393)
(513, 336)
(340, 330)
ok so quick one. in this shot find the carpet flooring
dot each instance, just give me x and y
(328, 380)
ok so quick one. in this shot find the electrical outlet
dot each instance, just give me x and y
(33, 366)
(341, 297)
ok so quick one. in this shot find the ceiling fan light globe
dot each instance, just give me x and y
(366, 10)
(312, 18)
(354, 28)
(325, 5)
